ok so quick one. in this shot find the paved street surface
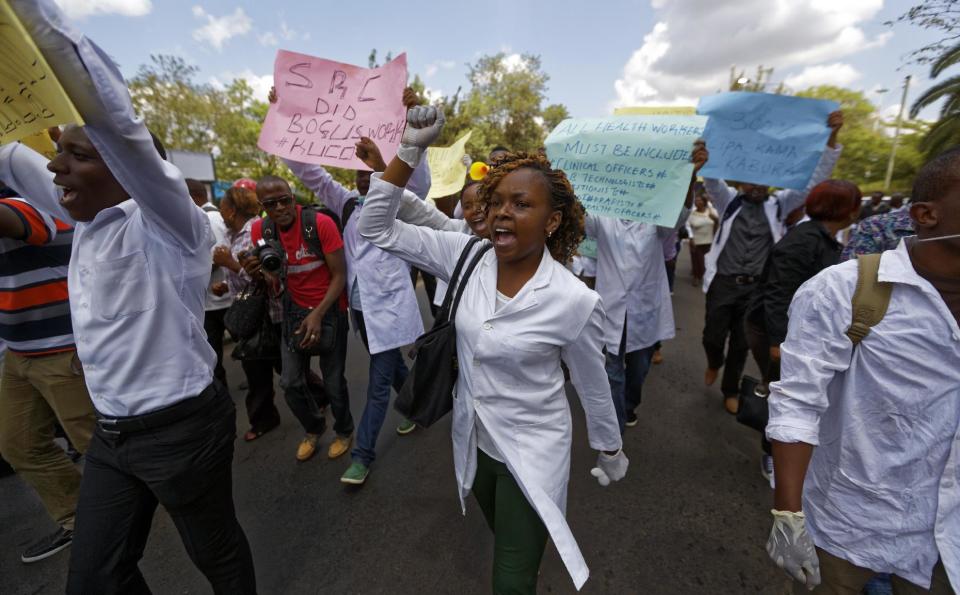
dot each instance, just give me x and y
(692, 515)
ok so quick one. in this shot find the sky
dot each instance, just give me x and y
(599, 55)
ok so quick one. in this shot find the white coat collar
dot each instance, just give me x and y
(896, 267)
(527, 296)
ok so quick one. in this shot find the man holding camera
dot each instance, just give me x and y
(308, 256)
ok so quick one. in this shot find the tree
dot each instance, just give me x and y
(503, 105)
(866, 145)
(945, 132)
(936, 15)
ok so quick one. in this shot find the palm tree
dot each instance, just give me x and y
(946, 132)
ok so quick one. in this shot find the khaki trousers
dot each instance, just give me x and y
(35, 393)
(839, 577)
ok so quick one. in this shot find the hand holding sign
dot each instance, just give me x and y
(320, 109)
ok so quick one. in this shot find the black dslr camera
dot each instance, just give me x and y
(270, 254)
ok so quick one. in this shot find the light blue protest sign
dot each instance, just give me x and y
(628, 167)
(763, 138)
(588, 247)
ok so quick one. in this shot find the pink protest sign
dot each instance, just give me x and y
(324, 107)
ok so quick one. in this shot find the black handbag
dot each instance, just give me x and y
(754, 411)
(245, 315)
(293, 316)
(264, 344)
(427, 394)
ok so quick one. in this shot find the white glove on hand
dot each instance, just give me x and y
(791, 548)
(424, 123)
(610, 467)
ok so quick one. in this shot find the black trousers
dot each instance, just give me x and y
(213, 325)
(261, 410)
(759, 344)
(727, 303)
(187, 467)
(429, 285)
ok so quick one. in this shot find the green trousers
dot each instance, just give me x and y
(519, 535)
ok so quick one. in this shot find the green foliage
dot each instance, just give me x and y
(946, 132)
(867, 144)
(933, 15)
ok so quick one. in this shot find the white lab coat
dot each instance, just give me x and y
(509, 374)
(632, 280)
(780, 204)
(387, 297)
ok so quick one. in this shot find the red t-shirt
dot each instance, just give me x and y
(307, 274)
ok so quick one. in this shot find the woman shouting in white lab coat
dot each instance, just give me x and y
(521, 312)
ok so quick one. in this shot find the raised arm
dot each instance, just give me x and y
(98, 91)
(333, 194)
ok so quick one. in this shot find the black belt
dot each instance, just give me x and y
(114, 426)
(741, 279)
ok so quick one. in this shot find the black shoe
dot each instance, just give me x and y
(48, 546)
(631, 419)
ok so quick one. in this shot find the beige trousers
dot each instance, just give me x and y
(839, 577)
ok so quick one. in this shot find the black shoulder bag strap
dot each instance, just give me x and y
(308, 227)
(444, 315)
(348, 208)
(462, 285)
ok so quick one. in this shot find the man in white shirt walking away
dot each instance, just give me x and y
(865, 422)
(137, 277)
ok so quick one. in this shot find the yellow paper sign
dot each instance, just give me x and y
(31, 98)
(41, 143)
(447, 170)
(656, 110)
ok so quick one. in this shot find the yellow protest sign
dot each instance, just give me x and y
(31, 98)
(41, 143)
(656, 110)
(447, 170)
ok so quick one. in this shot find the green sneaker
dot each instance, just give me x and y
(405, 427)
(355, 474)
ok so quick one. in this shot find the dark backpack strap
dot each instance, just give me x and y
(466, 277)
(348, 208)
(308, 227)
(268, 229)
(443, 313)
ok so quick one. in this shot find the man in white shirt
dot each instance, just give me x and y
(866, 438)
(137, 277)
(217, 299)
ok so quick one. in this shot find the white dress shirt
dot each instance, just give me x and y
(632, 280)
(219, 274)
(139, 270)
(509, 365)
(777, 207)
(881, 490)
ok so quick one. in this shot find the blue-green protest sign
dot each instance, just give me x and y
(588, 247)
(628, 167)
(763, 138)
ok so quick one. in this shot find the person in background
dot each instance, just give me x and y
(313, 287)
(496, 154)
(806, 250)
(522, 313)
(240, 210)
(138, 274)
(865, 437)
(878, 233)
(876, 206)
(702, 222)
(215, 305)
(42, 382)
(632, 282)
(752, 220)
(897, 203)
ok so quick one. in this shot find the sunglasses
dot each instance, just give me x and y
(272, 203)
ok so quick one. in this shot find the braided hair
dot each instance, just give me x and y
(564, 241)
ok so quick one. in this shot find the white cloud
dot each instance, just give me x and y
(694, 43)
(432, 95)
(268, 38)
(838, 74)
(514, 63)
(77, 9)
(260, 83)
(435, 67)
(219, 30)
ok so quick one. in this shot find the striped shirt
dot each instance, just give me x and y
(34, 306)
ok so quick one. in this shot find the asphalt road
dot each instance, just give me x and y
(692, 515)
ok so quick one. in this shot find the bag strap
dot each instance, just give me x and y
(443, 313)
(348, 208)
(466, 277)
(308, 228)
(870, 300)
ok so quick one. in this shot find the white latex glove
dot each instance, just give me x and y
(424, 123)
(610, 467)
(791, 548)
